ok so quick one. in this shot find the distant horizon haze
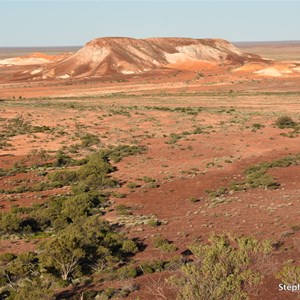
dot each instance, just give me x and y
(80, 46)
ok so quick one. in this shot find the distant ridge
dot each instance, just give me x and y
(122, 55)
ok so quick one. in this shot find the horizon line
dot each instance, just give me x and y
(62, 46)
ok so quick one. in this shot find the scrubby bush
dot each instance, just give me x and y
(9, 223)
(94, 174)
(35, 289)
(132, 185)
(89, 140)
(285, 122)
(115, 154)
(222, 269)
(123, 210)
(126, 272)
(64, 252)
(289, 274)
(15, 270)
(261, 179)
(62, 159)
(153, 223)
(129, 246)
(163, 244)
(80, 206)
(63, 178)
(147, 179)
(80, 247)
(149, 267)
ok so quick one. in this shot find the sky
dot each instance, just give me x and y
(73, 23)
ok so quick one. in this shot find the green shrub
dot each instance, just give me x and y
(88, 243)
(132, 185)
(18, 126)
(149, 267)
(129, 246)
(63, 178)
(153, 223)
(289, 274)
(285, 122)
(34, 289)
(257, 126)
(119, 195)
(257, 177)
(260, 179)
(221, 270)
(89, 140)
(62, 159)
(117, 153)
(80, 206)
(122, 210)
(94, 174)
(199, 130)
(147, 179)
(9, 223)
(17, 270)
(163, 244)
(126, 272)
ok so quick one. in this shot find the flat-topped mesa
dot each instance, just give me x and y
(122, 55)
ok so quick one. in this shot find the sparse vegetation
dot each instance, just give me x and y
(81, 241)
(60, 180)
(257, 177)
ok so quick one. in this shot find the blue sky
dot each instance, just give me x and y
(62, 23)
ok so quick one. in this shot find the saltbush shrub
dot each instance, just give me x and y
(285, 122)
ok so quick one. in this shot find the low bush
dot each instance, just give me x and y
(9, 223)
(289, 274)
(163, 244)
(89, 140)
(123, 210)
(149, 267)
(129, 246)
(64, 177)
(222, 269)
(62, 159)
(285, 122)
(127, 272)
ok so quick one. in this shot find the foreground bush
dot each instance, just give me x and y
(79, 248)
(289, 274)
(221, 270)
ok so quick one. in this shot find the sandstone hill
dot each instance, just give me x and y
(106, 56)
(121, 55)
(118, 55)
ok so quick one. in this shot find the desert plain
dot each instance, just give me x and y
(216, 151)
